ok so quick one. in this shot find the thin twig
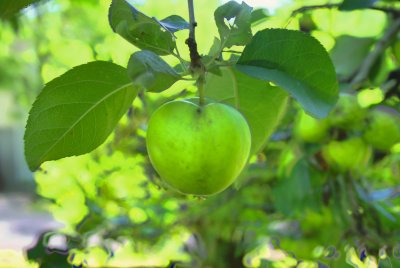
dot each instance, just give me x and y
(181, 60)
(307, 8)
(380, 46)
(374, 55)
(231, 51)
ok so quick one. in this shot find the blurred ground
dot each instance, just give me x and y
(20, 224)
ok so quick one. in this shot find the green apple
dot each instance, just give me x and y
(198, 150)
(383, 131)
(348, 114)
(310, 129)
(345, 155)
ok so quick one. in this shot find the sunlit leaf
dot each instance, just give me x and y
(82, 52)
(365, 23)
(368, 97)
(77, 111)
(297, 63)
(237, 32)
(70, 207)
(213, 53)
(148, 70)
(139, 29)
(262, 104)
(96, 257)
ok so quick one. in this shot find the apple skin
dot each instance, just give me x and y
(198, 150)
(309, 129)
(348, 114)
(346, 155)
(383, 131)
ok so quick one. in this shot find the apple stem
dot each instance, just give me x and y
(200, 86)
(197, 67)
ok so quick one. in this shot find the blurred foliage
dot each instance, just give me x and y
(323, 193)
(9, 9)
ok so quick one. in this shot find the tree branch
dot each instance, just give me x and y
(394, 12)
(195, 58)
(196, 65)
(380, 46)
(192, 20)
(307, 8)
(374, 55)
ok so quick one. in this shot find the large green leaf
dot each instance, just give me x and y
(139, 29)
(298, 190)
(297, 63)
(239, 32)
(77, 111)
(350, 47)
(149, 71)
(262, 104)
(9, 8)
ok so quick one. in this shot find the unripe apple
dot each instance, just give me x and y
(310, 129)
(383, 131)
(198, 150)
(348, 114)
(345, 155)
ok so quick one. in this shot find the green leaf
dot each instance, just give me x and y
(258, 16)
(10, 8)
(239, 31)
(77, 111)
(46, 257)
(350, 47)
(215, 48)
(140, 30)
(301, 189)
(149, 71)
(262, 104)
(174, 23)
(37, 251)
(349, 5)
(396, 50)
(380, 69)
(295, 62)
